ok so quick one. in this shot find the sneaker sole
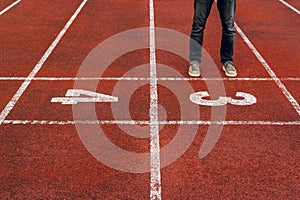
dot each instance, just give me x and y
(194, 75)
(229, 75)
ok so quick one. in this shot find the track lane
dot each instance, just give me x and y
(274, 31)
(100, 22)
(28, 31)
(241, 164)
(64, 176)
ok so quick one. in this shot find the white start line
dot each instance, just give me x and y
(134, 122)
(142, 79)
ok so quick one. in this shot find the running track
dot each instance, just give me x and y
(43, 45)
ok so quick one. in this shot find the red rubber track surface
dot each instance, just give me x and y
(49, 161)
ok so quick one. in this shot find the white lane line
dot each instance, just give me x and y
(155, 182)
(290, 6)
(9, 7)
(76, 79)
(134, 122)
(141, 79)
(38, 66)
(288, 95)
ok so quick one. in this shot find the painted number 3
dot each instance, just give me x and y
(245, 99)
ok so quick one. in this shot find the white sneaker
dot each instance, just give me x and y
(229, 69)
(194, 69)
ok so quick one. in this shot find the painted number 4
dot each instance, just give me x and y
(74, 96)
(246, 99)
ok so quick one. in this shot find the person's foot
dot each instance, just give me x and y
(229, 69)
(194, 69)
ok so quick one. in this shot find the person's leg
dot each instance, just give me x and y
(201, 12)
(227, 10)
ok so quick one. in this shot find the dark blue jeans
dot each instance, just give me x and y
(201, 12)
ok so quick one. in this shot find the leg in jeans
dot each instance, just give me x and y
(227, 10)
(201, 12)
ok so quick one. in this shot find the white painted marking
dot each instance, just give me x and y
(73, 97)
(271, 123)
(284, 90)
(248, 99)
(197, 98)
(140, 79)
(290, 6)
(9, 7)
(132, 122)
(155, 182)
(76, 79)
(38, 66)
